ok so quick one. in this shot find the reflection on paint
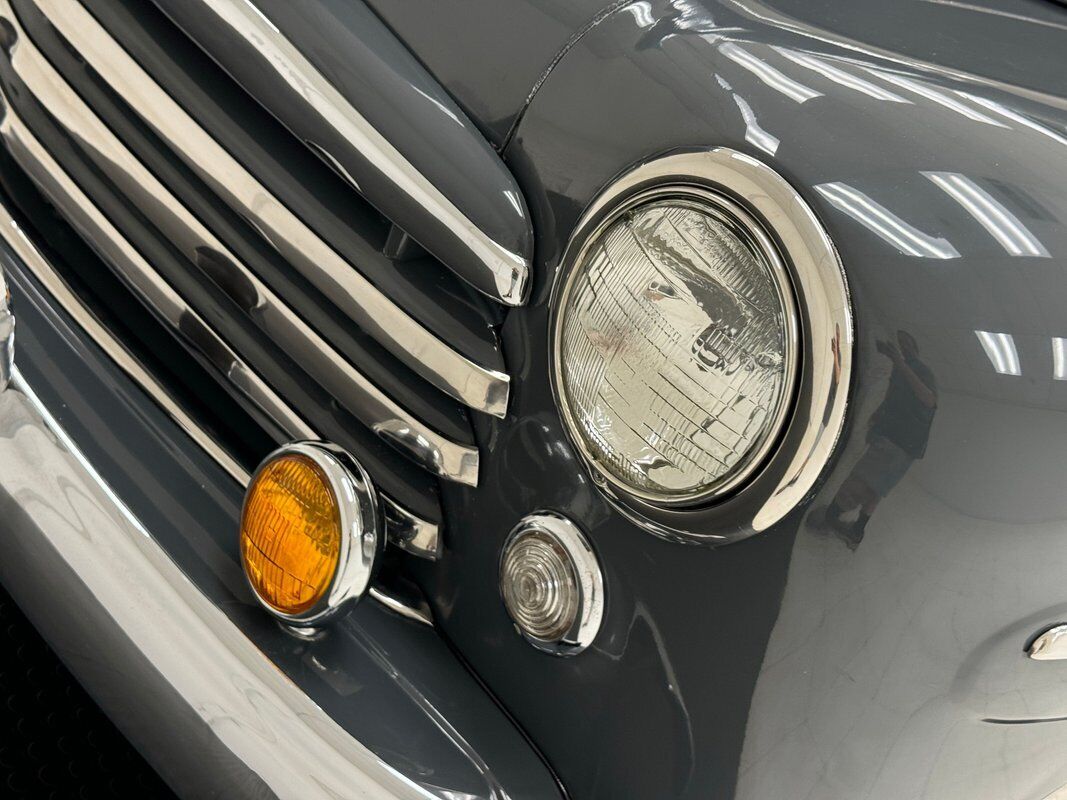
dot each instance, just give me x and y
(887, 225)
(1000, 348)
(1059, 358)
(1015, 116)
(992, 215)
(840, 76)
(943, 99)
(774, 78)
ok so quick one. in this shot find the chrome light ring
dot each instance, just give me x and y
(777, 221)
(361, 542)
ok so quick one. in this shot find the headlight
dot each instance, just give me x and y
(676, 346)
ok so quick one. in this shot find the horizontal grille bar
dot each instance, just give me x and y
(402, 527)
(478, 387)
(440, 455)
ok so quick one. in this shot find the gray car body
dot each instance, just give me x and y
(787, 664)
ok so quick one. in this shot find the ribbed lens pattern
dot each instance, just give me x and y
(539, 586)
(290, 534)
(672, 349)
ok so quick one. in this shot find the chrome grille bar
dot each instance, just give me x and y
(402, 527)
(477, 387)
(433, 451)
(383, 172)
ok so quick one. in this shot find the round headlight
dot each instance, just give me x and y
(676, 345)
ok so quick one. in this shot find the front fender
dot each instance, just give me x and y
(800, 663)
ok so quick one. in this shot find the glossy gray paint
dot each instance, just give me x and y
(489, 54)
(791, 665)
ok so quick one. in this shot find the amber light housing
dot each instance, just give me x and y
(309, 535)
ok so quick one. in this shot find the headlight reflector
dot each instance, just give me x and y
(676, 346)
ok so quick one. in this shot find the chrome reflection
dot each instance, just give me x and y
(838, 75)
(771, 76)
(1000, 348)
(492, 267)
(1002, 225)
(884, 223)
(7, 334)
(1050, 645)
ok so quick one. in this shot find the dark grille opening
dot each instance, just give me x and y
(102, 292)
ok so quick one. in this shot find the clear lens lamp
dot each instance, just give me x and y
(551, 584)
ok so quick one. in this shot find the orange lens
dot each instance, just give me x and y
(290, 534)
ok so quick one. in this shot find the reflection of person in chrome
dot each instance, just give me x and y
(898, 432)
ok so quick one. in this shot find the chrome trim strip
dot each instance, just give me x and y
(7, 334)
(443, 457)
(397, 606)
(1050, 645)
(478, 387)
(401, 524)
(252, 712)
(498, 272)
(35, 262)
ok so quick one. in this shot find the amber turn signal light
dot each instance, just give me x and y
(309, 532)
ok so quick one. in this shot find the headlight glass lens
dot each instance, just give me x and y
(675, 349)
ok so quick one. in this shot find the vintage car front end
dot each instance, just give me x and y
(652, 399)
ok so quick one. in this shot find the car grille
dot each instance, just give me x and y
(313, 313)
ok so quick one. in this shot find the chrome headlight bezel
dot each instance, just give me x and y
(774, 220)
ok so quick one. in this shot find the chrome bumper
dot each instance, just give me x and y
(198, 692)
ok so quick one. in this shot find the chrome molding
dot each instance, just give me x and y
(1050, 645)
(478, 387)
(492, 268)
(824, 320)
(7, 334)
(241, 711)
(400, 524)
(360, 544)
(443, 457)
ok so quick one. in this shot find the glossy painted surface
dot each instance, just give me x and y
(489, 54)
(816, 660)
(389, 682)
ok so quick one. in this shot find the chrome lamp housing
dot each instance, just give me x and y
(702, 345)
